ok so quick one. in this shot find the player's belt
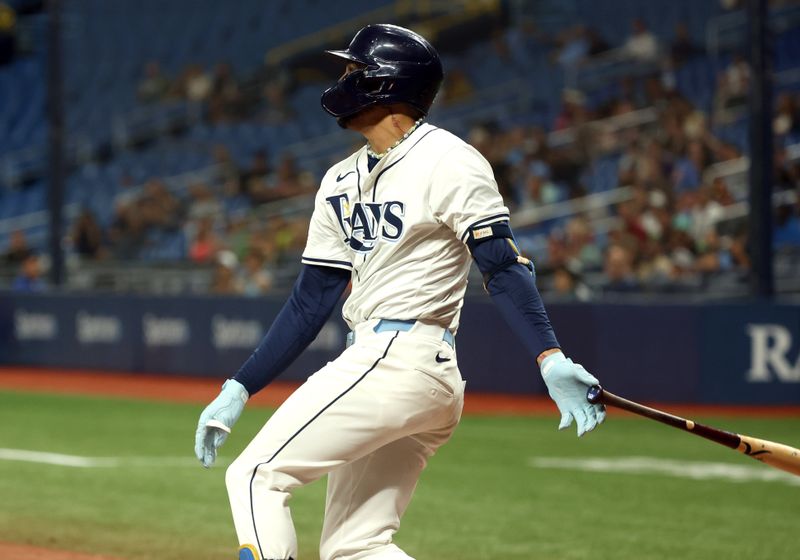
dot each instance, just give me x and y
(397, 325)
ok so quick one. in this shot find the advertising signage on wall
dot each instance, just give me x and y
(773, 354)
(715, 353)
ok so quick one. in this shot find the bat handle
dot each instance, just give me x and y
(595, 394)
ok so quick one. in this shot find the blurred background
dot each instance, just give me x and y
(159, 159)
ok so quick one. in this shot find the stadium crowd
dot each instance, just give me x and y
(666, 235)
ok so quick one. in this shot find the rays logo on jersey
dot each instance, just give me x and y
(365, 224)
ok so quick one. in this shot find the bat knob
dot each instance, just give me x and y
(594, 394)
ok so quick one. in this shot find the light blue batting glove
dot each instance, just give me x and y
(567, 383)
(217, 420)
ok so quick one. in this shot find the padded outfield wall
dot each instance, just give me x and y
(747, 353)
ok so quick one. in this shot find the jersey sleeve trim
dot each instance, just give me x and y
(484, 221)
(327, 262)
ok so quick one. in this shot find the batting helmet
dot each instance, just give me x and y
(400, 66)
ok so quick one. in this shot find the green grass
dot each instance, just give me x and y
(478, 499)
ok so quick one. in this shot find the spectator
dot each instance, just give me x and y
(203, 204)
(632, 232)
(237, 235)
(457, 87)
(154, 86)
(227, 170)
(277, 109)
(575, 47)
(683, 48)
(787, 227)
(224, 281)
(705, 215)
(205, 244)
(18, 249)
(158, 207)
(573, 110)
(198, 84)
(687, 174)
(619, 270)
(254, 279)
(787, 117)
(287, 176)
(597, 44)
(656, 92)
(733, 86)
(225, 101)
(87, 236)
(254, 177)
(538, 188)
(681, 250)
(642, 45)
(127, 231)
(579, 249)
(567, 285)
(29, 278)
(655, 268)
(283, 183)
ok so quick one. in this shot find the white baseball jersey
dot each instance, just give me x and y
(401, 227)
(371, 418)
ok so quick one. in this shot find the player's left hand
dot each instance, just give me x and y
(567, 383)
(217, 420)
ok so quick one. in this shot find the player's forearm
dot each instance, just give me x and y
(514, 293)
(513, 289)
(313, 299)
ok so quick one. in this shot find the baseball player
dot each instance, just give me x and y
(401, 219)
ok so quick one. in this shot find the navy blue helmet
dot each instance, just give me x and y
(400, 66)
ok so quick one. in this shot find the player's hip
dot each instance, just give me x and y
(414, 351)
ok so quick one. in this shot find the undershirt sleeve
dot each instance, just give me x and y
(512, 287)
(314, 297)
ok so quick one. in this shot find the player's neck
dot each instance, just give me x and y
(387, 132)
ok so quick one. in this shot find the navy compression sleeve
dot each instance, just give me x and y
(512, 287)
(313, 299)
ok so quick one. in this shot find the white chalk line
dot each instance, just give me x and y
(694, 470)
(77, 461)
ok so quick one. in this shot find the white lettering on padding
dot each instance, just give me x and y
(164, 331)
(93, 329)
(34, 326)
(769, 346)
(235, 333)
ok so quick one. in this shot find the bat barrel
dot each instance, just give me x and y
(775, 454)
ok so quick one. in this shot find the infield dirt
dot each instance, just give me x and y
(203, 390)
(25, 552)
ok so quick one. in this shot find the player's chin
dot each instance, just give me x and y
(367, 116)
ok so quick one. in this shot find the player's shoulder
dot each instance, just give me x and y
(440, 141)
(452, 152)
(338, 170)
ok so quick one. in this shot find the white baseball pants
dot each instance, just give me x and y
(370, 420)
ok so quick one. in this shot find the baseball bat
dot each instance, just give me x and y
(774, 454)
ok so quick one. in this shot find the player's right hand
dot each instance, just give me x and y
(567, 383)
(217, 420)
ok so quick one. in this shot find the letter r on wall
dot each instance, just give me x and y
(769, 345)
